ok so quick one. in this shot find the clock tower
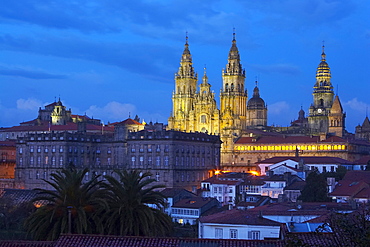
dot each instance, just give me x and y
(323, 95)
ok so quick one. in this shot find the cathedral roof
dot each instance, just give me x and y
(337, 106)
(129, 121)
(366, 123)
(256, 101)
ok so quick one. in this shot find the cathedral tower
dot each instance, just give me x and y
(322, 98)
(183, 96)
(256, 111)
(233, 96)
(337, 118)
(59, 115)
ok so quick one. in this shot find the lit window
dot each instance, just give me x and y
(233, 233)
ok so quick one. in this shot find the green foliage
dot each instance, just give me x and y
(351, 229)
(128, 199)
(338, 175)
(83, 200)
(315, 189)
(12, 219)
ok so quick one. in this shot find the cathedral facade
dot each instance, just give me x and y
(242, 122)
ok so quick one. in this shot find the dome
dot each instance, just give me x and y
(256, 101)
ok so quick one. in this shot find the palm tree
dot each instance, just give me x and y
(128, 199)
(71, 202)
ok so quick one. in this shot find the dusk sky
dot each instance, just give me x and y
(108, 58)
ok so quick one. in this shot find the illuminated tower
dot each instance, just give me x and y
(318, 120)
(183, 96)
(233, 96)
(256, 111)
(206, 114)
(59, 115)
(337, 118)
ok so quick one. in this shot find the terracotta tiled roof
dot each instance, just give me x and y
(129, 121)
(363, 194)
(46, 126)
(348, 188)
(363, 160)
(194, 202)
(307, 160)
(171, 192)
(307, 208)
(358, 176)
(7, 143)
(20, 243)
(297, 185)
(118, 241)
(18, 196)
(238, 217)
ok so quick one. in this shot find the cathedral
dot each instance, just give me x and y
(195, 110)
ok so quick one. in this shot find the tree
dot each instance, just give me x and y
(82, 202)
(315, 189)
(128, 199)
(351, 229)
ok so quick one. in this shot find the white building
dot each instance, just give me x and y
(238, 224)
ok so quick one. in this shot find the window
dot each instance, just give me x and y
(166, 148)
(31, 149)
(157, 176)
(46, 160)
(149, 148)
(61, 160)
(39, 160)
(203, 119)
(166, 160)
(53, 160)
(218, 233)
(31, 161)
(21, 161)
(46, 150)
(38, 149)
(133, 160)
(324, 169)
(158, 148)
(109, 150)
(20, 150)
(254, 235)
(158, 160)
(61, 149)
(141, 160)
(233, 233)
(53, 149)
(108, 160)
(150, 160)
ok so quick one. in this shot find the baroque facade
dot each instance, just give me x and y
(242, 123)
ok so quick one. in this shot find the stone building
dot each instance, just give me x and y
(175, 159)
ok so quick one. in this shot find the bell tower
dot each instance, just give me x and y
(233, 96)
(322, 98)
(183, 95)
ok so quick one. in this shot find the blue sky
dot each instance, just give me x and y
(108, 58)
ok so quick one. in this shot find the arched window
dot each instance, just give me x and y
(203, 119)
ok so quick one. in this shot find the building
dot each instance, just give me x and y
(300, 165)
(188, 211)
(7, 164)
(242, 123)
(238, 224)
(175, 159)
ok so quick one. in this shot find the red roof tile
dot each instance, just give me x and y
(238, 217)
(119, 241)
(348, 188)
(194, 202)
(358, 176)
(129, 121)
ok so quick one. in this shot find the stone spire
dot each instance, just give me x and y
(234, 66)
(186, 69)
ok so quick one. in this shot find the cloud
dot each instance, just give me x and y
(113, 111)
(28, 104)
(148, 60)
(296, 15)
(30, 74)
(356, 105)
(287, 69)
(278, 108)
